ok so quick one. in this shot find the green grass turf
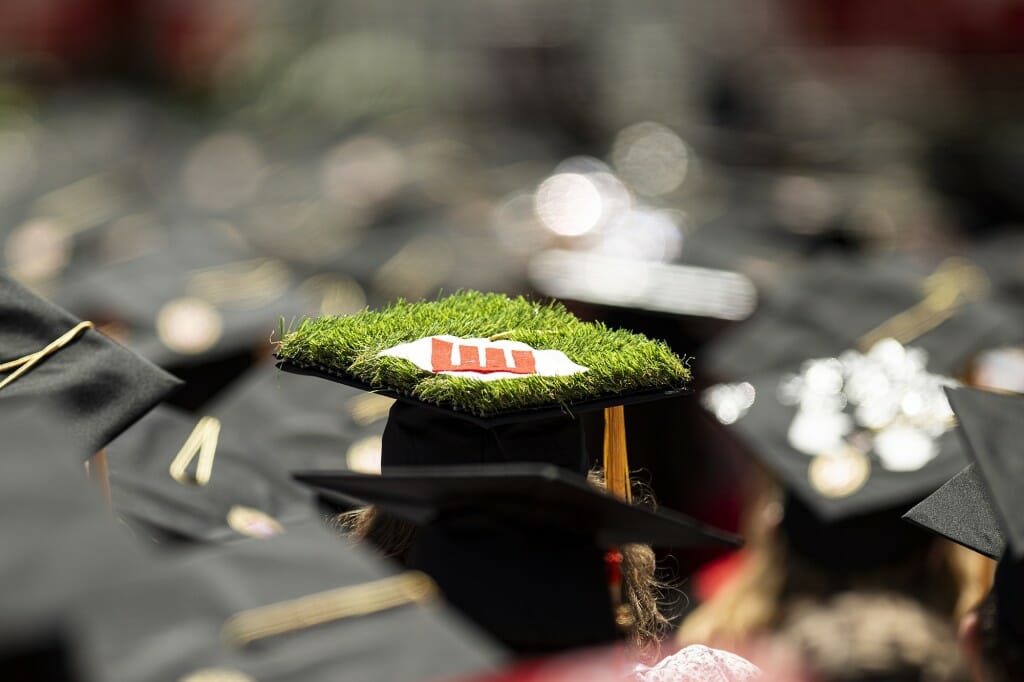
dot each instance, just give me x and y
(619, 361)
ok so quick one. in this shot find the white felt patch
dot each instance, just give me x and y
(483, 359)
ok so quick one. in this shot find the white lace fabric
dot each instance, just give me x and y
(699, 663)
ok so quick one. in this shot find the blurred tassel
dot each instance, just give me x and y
(616, 481)
(616, 461)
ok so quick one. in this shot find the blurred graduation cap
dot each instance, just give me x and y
(981, 507)
(301, 605)
(176, 477)
(520, 548)
(844, 302)
(854, 441)
(59, 541)
(91, 386)
(307, 424)
(204, 296)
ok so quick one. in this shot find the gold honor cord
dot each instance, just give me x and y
(202, 441)
(351, 601)
(26, 362)
(954, 283)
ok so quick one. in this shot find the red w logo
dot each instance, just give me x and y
(523, 361)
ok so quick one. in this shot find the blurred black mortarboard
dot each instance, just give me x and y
(982, 508)
(841, 302)
(58, 539)
(519, 547)
(202, 297)
(93, 387)
(191, 479)
(298, 606)
(862, 430)
(854, 441)
(307, 424)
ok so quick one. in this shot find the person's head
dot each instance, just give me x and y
(779, 575)
(847, 460)
(871, 637)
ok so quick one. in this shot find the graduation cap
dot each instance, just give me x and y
(59, 540)
(854, 441)
(176, 476)
(519, 548)
(980, 508)
(305, 424)
(985, 517)
(485, 381)
(204, 296)
(483, 378)
(300, 605)
(962, 511)
(842, 302)
(93, 387)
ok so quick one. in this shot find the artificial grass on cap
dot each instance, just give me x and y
(618, 361)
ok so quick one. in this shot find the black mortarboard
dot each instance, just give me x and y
(962, 511)
(913, 465)
(58, 538)
(298, 606)
(849, 454)
(189, 478)
(981, 508)
(202, 297)
(837, 302)
(519, 547)
(94, 387)
(306, 424)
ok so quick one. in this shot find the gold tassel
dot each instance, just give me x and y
(203, 442)
(616, 461)
(616, 481)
